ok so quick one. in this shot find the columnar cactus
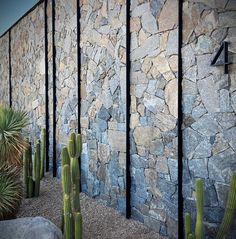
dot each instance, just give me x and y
(72, 219)
(200, 205)
(229, 210)
(37, 164)
(43, 153)
(187, 225)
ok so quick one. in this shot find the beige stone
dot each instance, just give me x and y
(84, 122)
(160, 65)
(164, 122)
(171, 97)
(117, 140)
(173, 62)
(142, 37)
(147, 64)
(104, 153)
(143, 135)
(134, 120)
(135, 24)
(168, 18)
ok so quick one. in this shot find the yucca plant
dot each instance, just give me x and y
(12, 143)
(11, 191)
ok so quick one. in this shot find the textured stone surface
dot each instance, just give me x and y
(4, 70)
(29, 228)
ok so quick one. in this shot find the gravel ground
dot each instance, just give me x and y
(99, 221)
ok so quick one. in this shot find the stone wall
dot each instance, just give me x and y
(66, 71)
(28, 70)
(4, 70)
(209, 105)
(209, 99)
(154, 114)
(103, 101)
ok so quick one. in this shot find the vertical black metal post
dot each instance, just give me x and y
(128, 102)
(226, 57)
(180, 121)
(46, 84)
(54, 90)
(78, 63)
(78, 75)
(10, 70)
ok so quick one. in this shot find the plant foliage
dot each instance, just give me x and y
(12, 143)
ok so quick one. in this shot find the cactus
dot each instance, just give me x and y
(187, 225)
(190, 236)
(229, 210)
(26, 157)
(37, 164)
(200, 205)
(43, 146)
(68, 220)
(71, 219)
(78, 226)
(30, 186)
(65, 156)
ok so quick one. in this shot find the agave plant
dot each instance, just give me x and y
(11, 191)
(12, 143)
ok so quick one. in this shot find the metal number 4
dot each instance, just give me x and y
(225, 63)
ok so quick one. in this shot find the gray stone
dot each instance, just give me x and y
(227, 19)
(221, 190)
(198, 111)
(203, 66)
(222, 165)
(157, 147)
(103, 114)
(209, 94)
(233, 101)
(140, 10)
(203, 150)
(151, 44)
(171, 48)
(117, 140)
(149, 23)
(191, 140)
(139, 90)
(164, 122)
(29, 228)
(198, 168)
(188, 103)
(225, 101)
(153, 103)
(173, 169)
(230, 135)
(189, 58)
(206, 125)
(102, 125)
(204, 45)
(226, 120)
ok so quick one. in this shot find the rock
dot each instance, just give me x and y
(204, 45)
(160, 65)
(168, 18)
(209, 94)
(146, 48)
(203, 150)
(230, 136)
(227, 19)
(149, 23)
(164, 122)
(117, 140)
(153, 103)
(220, 144)
(103, 114)
(171, 97)
(198, 167)
(206, 125)
(172, 48)
(140, 10)
(225, 101)
(143, 135)
(29, 228)
(157, 147)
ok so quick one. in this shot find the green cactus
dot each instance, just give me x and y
(229, 210)
(72, 225)
(200, 205)
(65, 156)
(26, 157)
(78, 226)
(187, 224)
(43, 147)
(190, 236)
(68, 219)
(30, 185)
(66, 179)
(37, 165)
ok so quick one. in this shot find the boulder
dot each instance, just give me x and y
(29, 228)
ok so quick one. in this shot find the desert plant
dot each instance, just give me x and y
(10, 191)
(229, 210)
(37, 167)
(12, 143)
(43, 152)
(72, 219)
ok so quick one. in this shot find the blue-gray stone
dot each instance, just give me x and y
(198, 168)
(102, 125)
(157, 147)
(230, 135)
(173, 169)
(103, 114)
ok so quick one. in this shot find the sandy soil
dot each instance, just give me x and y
(99, 221)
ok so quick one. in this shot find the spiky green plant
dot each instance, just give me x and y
(43, 152)
(12, 143)
(187, 224)
(11, 191)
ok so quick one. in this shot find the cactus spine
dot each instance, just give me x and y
(187, 225)
(43, 147)
(200, 205)
(229, 210)
(72, 219)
